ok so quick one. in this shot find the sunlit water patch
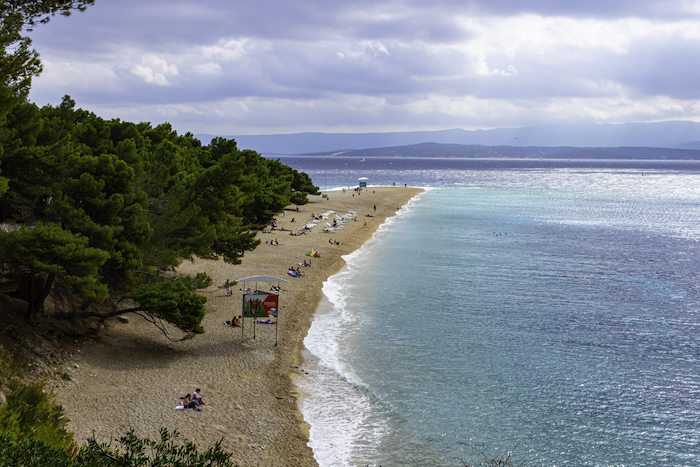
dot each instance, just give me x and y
(552, 310)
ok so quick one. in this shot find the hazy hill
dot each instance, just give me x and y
(677, 134)
(518, 152)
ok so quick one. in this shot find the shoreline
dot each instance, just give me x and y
(132, 376)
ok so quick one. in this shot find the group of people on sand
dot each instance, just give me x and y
(295, 272)
(333, 242)
(273, 242)
(193, 401)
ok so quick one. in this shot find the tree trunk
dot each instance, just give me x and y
(36, 303)
(45, 291)
(30, 296)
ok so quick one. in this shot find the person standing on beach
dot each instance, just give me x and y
(227, 286)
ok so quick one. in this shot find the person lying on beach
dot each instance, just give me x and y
(236, 322)
(295, 273)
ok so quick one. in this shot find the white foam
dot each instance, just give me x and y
(345, 428)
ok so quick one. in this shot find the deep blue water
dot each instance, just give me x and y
(553, 309)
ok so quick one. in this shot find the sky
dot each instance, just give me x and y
(278, 66)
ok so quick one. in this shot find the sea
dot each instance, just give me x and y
(544, 312)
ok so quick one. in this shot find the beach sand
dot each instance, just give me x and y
(132, 376)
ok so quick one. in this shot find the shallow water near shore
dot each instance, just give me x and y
(552, 309)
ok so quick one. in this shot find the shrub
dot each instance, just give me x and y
(31, 454)
(31, 414)
(138, 452)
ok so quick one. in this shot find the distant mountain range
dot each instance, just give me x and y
(563, 137)
(469, 151)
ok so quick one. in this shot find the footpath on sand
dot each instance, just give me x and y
(132, 377)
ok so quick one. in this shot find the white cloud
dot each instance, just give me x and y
(77, 73)
(209, 68)
(227, 49)
(154, 70)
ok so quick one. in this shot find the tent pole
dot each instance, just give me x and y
(255, 320)
(242, 319)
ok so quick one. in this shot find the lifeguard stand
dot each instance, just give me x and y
(260, 304)
(362, 182)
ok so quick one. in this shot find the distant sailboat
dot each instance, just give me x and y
(362, 160)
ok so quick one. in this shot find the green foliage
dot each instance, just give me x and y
(138, 452)
(173, 302)
(33, 12)
(142, 195)
(59, 253)
(30, 414)
(118, 205)
(32, 454)
(18, 62)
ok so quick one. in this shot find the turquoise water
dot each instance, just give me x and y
(550, 311)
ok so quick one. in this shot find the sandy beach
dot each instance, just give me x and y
(133, 376)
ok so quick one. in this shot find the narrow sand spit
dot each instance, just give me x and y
(132, 377)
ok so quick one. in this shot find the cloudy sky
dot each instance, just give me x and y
(280, 66)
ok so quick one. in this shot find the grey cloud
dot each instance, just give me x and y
(662, 68)
(330, 52)
(167, 24)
